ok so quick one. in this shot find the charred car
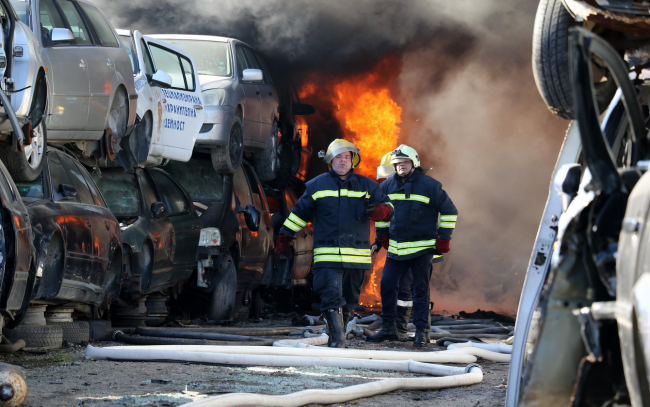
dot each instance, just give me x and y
(160, 228)
(76, 237)
(236, 242)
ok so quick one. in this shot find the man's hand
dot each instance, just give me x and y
(283, 247)
(381, 212)
(442, 246)
(374, 252)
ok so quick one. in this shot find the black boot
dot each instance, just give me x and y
(388, 332)
(335, 330)
(346, 319)
(401, 322)
(427, 330)
(420, 339)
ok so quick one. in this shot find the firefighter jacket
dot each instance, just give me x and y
(341, 226)
(414, 228)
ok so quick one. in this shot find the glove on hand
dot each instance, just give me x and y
(382, 242)
(283, 247)
(381, 212)
(442, 246)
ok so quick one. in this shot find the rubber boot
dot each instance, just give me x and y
(427, 331)
(419, 337)
(335, 330)
(401, 322)
(346, 319)
(388, 332)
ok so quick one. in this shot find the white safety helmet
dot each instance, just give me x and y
(337, 147)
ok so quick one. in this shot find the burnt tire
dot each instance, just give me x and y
(223, 296)
(27, 165)
(551, 57)
(37, 336)
(266, 162)
(75, 332)
(226, 159)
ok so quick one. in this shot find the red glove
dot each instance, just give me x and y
(283, 247)
(381, 212)
(381, 242)
(442, 246)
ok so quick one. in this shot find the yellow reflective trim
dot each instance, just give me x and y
(354, 194)
(326, 250)
(450, 218)
(402, 197)
(340, 259)
(291, 225)
(323, 194)
(382, 224)
(391, 205)
(404, 252)
(358, 252)
(344, 192)
(448, 225)
(401, 245)
(297, 220)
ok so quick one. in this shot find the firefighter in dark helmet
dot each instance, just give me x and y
(341, 204)
(413, 237)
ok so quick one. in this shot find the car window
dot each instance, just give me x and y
(21, 10)
(101, 26)
(97, 196)
(78, 181)
(242, 190)
(50, 18)
(148, 191)
(241, 61)
(258, 199)
(189, 73)
(148, 64)
(199, 179)
(31, 191)
(169, 62)
(172, 196)
(265, 69)
(121, 192)
(77, 24)
(210, 57)
(59, 176)
(250, 58)
(128, 46)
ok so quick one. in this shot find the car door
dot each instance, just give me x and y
(269, 98)
(76, 224)
(70, 81)
(184, 219)
(183, 101)
(252, 99)
(101, 60)
(260, 240)
(304, 243)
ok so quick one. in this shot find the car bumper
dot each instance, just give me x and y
(217, 122)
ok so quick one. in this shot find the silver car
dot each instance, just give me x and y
(85, 81)
(240, 99)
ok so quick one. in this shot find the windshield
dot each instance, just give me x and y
(31, 191)
(21, 10)
(128, 45)
(120, 191)
(210, 57)
(199, 179)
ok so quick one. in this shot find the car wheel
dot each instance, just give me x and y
(37, 336)
(266, 162)
(143, 266)
(75, 332)
(227, 159)
(224, 293)
(27, 165)
(118, 117)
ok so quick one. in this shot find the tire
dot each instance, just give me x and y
(27, 165)
(75, 332)
(118, 116)
(142, 263)
(266, 162)
(551, 57)
(37, 336)
(227, 159)
(224, 293)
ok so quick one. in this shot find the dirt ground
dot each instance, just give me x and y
(65, 378)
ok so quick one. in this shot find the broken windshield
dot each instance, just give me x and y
(210, 57)
(199, 179)
(31, 191)
(120, 191)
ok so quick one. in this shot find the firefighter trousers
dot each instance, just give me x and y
(338, 287)
(394, 271)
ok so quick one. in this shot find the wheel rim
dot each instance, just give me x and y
(235, 144)
(34, 151)
(274, 149)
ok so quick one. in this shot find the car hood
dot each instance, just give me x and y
(214, 82)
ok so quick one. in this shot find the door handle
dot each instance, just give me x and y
(110, 64)
(107, 225)
(257, 92)
(82, 64)
(88, 222)
(25, 217)
(304, 234)
(198, 107)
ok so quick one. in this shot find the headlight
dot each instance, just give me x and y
(214, 97)
(210, 237)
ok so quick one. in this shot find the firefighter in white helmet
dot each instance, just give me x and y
(413, 237)
(341, 204)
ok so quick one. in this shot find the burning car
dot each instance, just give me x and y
(170, 103)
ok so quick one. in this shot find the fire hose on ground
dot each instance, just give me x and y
(154, 340)
(494, 347)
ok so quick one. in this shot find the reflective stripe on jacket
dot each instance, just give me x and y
(414, 227)
(341, 226)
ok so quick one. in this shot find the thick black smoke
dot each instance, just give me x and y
(463, 79)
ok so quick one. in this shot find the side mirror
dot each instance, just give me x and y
(302, 109)
(251, 215)
(567, 183)
(252, 75)
(161, 79)
(158, 209)
(61, 35)
(67, 191)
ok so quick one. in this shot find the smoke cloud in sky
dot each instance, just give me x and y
(469, 106)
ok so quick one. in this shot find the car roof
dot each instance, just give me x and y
(213, 38)
(123, 33)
